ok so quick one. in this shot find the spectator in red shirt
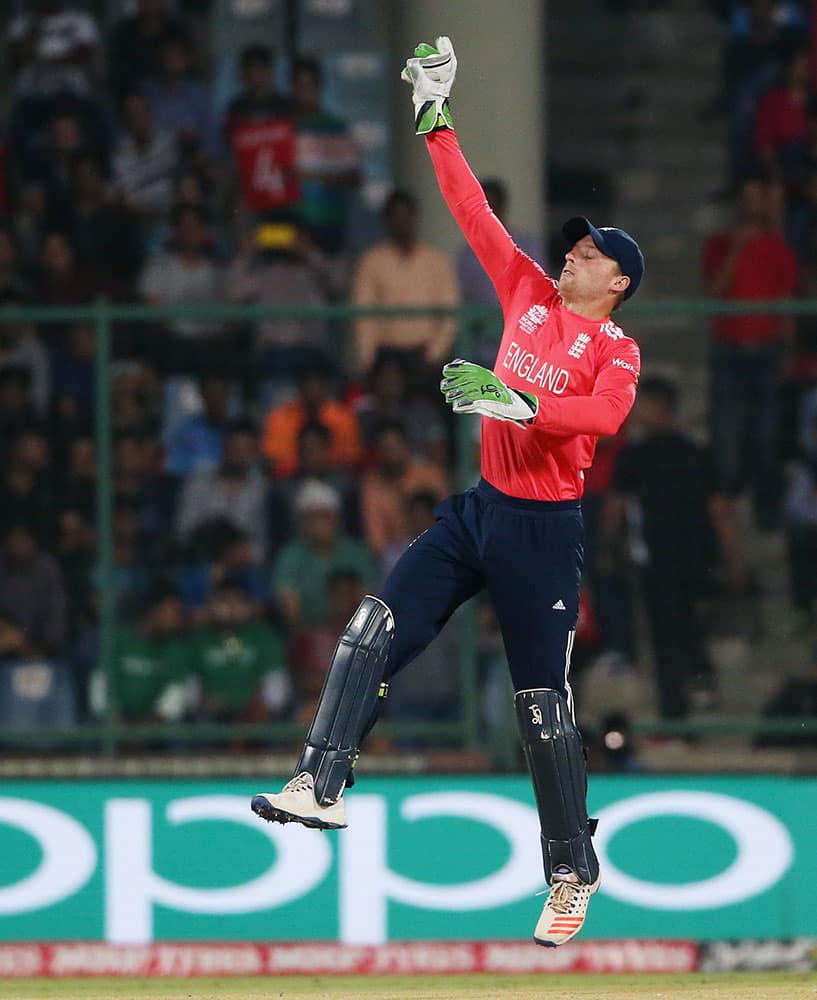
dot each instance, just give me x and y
(759, 30)
(781, 123)
(750, 260)
(260, 130)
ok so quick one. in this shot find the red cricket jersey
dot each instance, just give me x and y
(265, 152)
(766, 269)
(781, 118)
(584, 372)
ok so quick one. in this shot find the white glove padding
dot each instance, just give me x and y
(470, 388)
(431, 73)
(496, 411)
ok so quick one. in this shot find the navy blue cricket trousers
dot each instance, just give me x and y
(528, 554)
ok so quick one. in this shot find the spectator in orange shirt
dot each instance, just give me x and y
(386, 488)
(402, 271)
(314, 404)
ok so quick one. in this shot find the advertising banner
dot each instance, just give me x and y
(324, 958)
(432, 858)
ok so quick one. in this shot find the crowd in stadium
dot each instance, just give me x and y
(266, 475)
(763, 369)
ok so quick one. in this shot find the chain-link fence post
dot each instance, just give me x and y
(104, 518)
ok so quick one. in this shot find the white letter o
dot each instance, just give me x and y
(68, 861)
(765, 851)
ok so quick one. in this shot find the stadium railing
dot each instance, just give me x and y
(110, 735)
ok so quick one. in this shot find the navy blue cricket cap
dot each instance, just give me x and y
(614, 243)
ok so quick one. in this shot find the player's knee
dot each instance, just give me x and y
(547, 710)
(373, 622)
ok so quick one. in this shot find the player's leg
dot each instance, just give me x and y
(555, 756)
(533, 570)
(433, 577)
(354, 684)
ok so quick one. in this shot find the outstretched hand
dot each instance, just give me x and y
(431, 73)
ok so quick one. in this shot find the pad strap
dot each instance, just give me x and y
(350, 701)
(553, 750)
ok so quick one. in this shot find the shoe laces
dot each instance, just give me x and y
(302, 782)
(563, 895)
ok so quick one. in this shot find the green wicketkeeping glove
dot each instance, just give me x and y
(471, 388)
(431, 73)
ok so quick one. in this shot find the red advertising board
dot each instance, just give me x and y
(75, 958)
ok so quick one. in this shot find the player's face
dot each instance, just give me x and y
(587, 274)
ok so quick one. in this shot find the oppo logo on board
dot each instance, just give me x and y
(367, 883)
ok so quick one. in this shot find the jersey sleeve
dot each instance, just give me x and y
(487, 237)
(603, 412)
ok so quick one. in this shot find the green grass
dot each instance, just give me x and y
(723, 986)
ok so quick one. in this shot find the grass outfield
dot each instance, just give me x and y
(721, 986)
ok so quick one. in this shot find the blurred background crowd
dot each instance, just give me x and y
(266, 475)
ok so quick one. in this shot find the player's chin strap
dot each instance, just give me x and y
(555, 757)
(352, 695)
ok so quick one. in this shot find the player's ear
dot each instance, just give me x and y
(620, 284)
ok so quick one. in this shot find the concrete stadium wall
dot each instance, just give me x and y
(498, 103)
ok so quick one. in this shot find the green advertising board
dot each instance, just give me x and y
(424, 858)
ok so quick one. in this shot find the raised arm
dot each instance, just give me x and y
(463, 194)
(431, 74)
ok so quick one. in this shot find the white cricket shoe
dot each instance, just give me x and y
(566, 907)
(296, 803)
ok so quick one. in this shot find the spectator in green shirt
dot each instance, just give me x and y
(321, 547)
(239, 661)
(151, 665)
(327, 159)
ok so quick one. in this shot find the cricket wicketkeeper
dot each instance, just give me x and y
(564, 374)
